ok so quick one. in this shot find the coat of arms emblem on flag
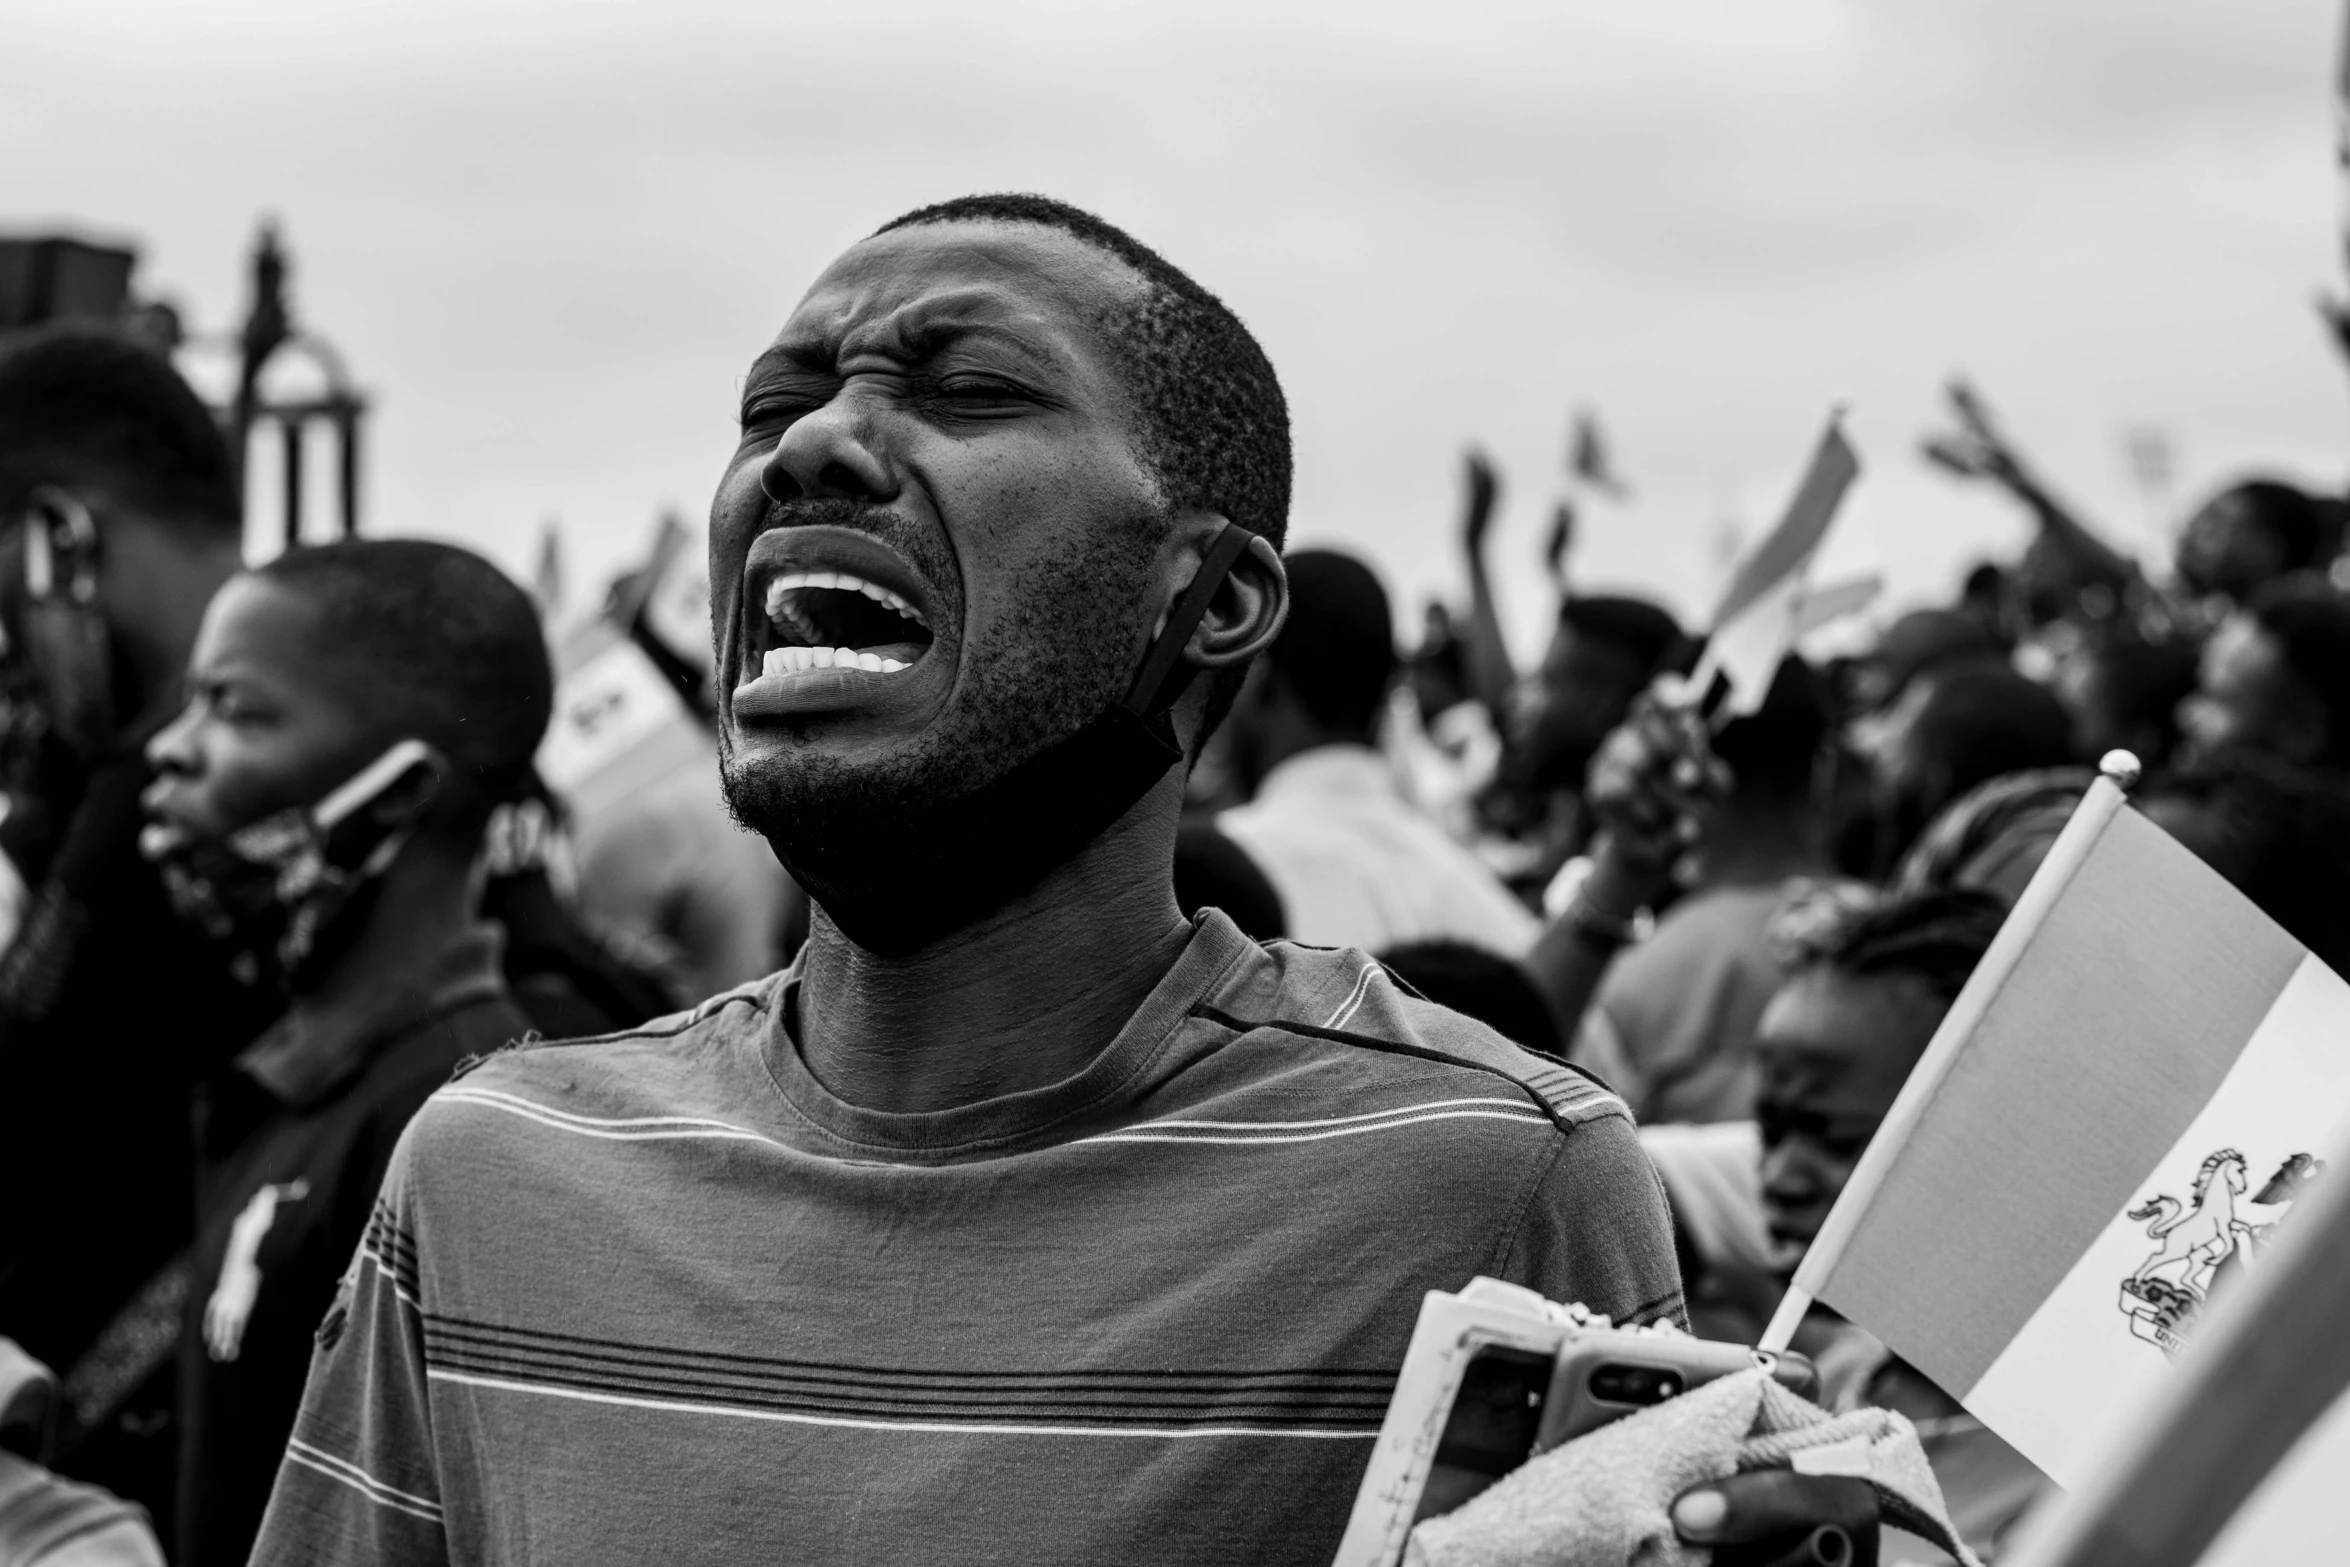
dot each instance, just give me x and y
(2202, 1238)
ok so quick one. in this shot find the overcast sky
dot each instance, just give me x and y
(550, 238)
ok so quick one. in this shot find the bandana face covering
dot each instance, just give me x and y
(271, 887)
(895, 886)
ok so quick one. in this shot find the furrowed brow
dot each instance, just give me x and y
(798, 357)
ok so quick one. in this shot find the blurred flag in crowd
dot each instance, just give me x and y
(2114, 1122)
(1761, 612)
(1588, 459)
(1560, 539)
(547, 575)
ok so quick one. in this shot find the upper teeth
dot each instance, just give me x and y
(784, 660)
(836, 579)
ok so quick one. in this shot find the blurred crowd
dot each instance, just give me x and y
(284, 845)
(1752, 929)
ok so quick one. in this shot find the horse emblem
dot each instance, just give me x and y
(2202, 1241)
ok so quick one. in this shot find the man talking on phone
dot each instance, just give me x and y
(1020, 1219)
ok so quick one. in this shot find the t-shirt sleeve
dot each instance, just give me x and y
(1596, 1228)
(359, 1482)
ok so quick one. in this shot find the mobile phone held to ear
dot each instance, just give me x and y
(1496, 1375)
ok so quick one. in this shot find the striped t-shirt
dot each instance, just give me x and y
(660, 1297)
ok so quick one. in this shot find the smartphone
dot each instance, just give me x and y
(1496, 1374)
(1514, 1404)
(1603, 1376)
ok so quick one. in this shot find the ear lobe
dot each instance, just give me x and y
(1247, 612)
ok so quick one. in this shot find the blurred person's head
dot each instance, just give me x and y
(2279, 834)
(1989, 597)
(1324, 681)
(1840, 1037)
(1946, 735)
(2275, 678)
(2124, 694)
(1773, 753)
(114, 460)
(1921, 643)
(2250, 534)
(1478, 983)
(1993, 838)
(313, 667)
(2056, 579)
(980, 465)
(1604, 653)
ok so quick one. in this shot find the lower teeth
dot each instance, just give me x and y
(790, 660)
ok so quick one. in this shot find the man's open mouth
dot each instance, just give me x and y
(829, 611)
(835, 620)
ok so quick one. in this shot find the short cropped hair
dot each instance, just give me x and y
(1337, 650)
(2310, 624)
(1213, 425)
(83, 405)
(1937, 937)
(442, 646)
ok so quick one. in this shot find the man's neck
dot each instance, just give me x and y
(426, 899)
(1020, 1000)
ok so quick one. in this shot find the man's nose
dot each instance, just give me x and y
(829, 454)
(173, 750)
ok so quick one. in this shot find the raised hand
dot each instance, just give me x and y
(1975, 449)
(1482, 484)
(1655, 778)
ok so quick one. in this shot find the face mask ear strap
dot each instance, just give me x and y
(373, 779)
(61, 547)
(1164, 679)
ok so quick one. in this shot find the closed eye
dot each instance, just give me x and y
(769, 413)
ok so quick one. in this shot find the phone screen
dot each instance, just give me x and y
(1491, 1428)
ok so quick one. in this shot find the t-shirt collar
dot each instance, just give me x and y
(966, 1131)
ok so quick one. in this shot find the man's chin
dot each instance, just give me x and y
(783, 789)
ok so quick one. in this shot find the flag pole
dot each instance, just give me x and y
(2089, 821)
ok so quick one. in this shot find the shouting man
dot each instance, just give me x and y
(1020, 1219)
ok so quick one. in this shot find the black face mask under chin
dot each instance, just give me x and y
(290, 891)
(896, 886)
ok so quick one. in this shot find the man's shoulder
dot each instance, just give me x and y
(686, 1064)
(1344, 1005)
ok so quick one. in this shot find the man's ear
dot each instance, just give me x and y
(1250, 604)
